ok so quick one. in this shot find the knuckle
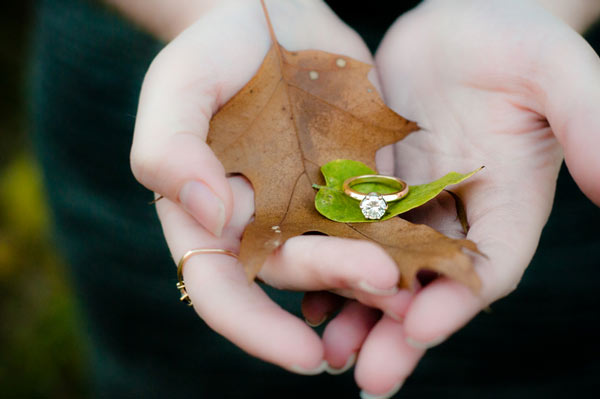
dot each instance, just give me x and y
(140, 162)
(503, 284)
(160, 62)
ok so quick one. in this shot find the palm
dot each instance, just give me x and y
(477, 110)
(474, 110)
(476, 104)
(480, 80)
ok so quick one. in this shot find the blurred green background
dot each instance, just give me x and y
(42, 344)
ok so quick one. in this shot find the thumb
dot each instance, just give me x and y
(570, 92)
(184, 86)
(169, 154)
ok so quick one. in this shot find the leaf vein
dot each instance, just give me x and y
(341, 109)
(287, 210)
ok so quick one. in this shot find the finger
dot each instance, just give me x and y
(345, 334)
(318, 306)
(385, 360)
(395, 306)
(181, 91)
(428, 324)
(508, 236)
(219, 290)
(316, 263)
(569, 79)
(354, 269)
(246, 316)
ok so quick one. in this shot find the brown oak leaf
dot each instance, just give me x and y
(301, 110)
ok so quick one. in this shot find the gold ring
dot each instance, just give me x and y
(373, 205)
(180, 283)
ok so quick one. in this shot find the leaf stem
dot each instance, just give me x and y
(269, 25)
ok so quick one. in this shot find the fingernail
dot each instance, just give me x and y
(425, 345)
(346, 367)
(364, 286)
(318, 323)
(301, 370)
(202, 203)
(392, 392)
(394, 316)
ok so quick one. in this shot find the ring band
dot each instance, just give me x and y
(373, 205)
(387, 180)
(180, 283)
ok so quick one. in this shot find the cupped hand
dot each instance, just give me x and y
(497, 83)
(202, 208)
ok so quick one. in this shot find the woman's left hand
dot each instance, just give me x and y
(498, 83)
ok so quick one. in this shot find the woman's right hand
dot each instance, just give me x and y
(187, 83)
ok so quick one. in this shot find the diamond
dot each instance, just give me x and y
(373, 206)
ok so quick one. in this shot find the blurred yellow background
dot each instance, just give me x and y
(42, 344)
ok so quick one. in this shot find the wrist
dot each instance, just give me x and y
(579, 14)
(167, 19)
(163, 19)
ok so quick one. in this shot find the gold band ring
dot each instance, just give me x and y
(180, 283)
(373, 205)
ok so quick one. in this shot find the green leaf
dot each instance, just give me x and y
(332, 203)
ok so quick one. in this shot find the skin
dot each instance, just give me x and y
(187, 83)
(579, 14)
(516, 110)
(531, 97)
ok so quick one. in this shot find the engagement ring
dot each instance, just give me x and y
(373, 205)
